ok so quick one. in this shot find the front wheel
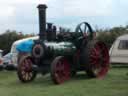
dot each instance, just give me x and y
(25, 71)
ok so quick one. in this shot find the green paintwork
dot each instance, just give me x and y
(61, 48)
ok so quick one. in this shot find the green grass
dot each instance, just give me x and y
(115, 84)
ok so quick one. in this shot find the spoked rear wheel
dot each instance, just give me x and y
(96, 59)
(60, 70)
(25, 71)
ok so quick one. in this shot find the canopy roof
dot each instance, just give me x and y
(1, 50)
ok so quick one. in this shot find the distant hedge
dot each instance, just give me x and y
(7, 38)
(109, 35)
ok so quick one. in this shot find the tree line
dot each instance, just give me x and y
(106, 35)
(8, 37)
(109, 35)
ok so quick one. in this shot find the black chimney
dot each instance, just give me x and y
(42, 21)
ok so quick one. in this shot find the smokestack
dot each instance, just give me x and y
(42, 21)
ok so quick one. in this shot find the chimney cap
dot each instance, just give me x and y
(42, 6)
(49, 23)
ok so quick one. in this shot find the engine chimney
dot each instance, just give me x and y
(42, 21)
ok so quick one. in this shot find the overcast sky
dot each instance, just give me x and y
(22, 15)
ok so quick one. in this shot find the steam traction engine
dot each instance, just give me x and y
(63, 54)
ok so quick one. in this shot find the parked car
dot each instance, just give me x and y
(119, 50)
(7, 62)
(10, 59)
(7, 59)
(1, 59)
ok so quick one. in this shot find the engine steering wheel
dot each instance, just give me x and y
(85, 29)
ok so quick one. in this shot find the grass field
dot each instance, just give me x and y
(115, 84)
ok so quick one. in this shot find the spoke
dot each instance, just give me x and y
(59, 76)
(85, 29)
(105, 59)
(94, 62)
(29, 75)
(80, 30)
(96, 51)
(57, 66)
(97, 70)
(23, 72)
(103, 65)
(22, 68)
(26, 62)
(26, 76)
(94, 56)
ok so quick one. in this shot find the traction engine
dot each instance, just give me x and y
(63, 54)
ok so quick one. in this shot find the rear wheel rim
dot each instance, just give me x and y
(99, 59)
(61, 71)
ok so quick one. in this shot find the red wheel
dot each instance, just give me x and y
(24, 70)
(60, 70)
(96, 59)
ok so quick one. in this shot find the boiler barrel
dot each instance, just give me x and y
(61, 48)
